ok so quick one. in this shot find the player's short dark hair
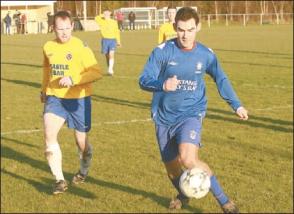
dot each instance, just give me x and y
(186, 13)
(171, 7)
(63, 14)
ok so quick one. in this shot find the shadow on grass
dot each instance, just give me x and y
(257, 64)
(46, 185)
(163, 201)
(41, 187)
(18, 142)
(274, 124)
(9, 153)
(117, 101)
(21, 82)
(22, 64)
(255, 52)
(252, 117)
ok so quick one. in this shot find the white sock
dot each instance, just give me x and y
(110, 67)
(54, 158)
(85, 161)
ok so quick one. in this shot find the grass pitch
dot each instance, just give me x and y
(253, 160)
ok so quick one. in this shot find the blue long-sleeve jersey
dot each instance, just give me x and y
(189, 100)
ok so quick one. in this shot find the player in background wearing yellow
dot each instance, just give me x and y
(110, 37)
(166, 30)
(69, 69)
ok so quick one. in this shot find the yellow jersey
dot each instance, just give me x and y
(166, 32)
(109, 28)
(73, 59)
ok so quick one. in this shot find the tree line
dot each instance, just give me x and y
(204, 7)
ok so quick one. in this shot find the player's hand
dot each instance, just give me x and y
(171, 84)
(43, 97)
(242, 113)
(66, 82)
(118, 45)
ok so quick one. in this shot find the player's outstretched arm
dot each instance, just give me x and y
(242, 113)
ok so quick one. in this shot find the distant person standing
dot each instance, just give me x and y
(16, 18)
(7, 20)
(77, 23)
(166, 30)
(120, 19)
(110, 37)
(23, 23)
(50, 22)
(132, 18)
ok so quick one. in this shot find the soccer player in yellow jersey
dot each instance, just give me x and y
(110, 37)
(166, 31)
(70, 68)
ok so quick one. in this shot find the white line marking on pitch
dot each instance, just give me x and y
(127, 121)
(94, 124)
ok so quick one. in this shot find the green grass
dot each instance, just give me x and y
(253, 160)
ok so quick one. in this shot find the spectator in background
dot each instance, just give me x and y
(77, 23)
(50, 22)
(7, 20)
(120, 19)
(23, 23)
(132, 18)
(16, 18)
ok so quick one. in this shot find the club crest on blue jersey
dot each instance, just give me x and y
(69, 56)
(198, 67)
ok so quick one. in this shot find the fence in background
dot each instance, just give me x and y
(152, 19)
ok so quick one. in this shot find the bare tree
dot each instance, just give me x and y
(276, 12)
(216, 10)
(59, 5)
(231, 9)
(282, 3)
(246, 10)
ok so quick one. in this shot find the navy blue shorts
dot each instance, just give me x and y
(76, 112)
(169, 137)
(108, 45)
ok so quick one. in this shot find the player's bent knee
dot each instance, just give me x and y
(202, 165)
(187, 162)
(52, 149)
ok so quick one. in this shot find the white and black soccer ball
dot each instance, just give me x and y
(195, 183)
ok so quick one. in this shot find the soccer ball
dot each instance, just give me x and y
(195, 183)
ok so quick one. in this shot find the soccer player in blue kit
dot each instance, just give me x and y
(175, 73)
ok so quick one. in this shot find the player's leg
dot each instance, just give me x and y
(189, 138)
(111, 62)
(54, 117)
(189, 159)
(79, 118)
(105, 49)
(85, 155)
(52, 125)
(174, 171)
(169, 155)
(107, 59)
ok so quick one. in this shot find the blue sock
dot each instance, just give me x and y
(176, 183)
(217, 191)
